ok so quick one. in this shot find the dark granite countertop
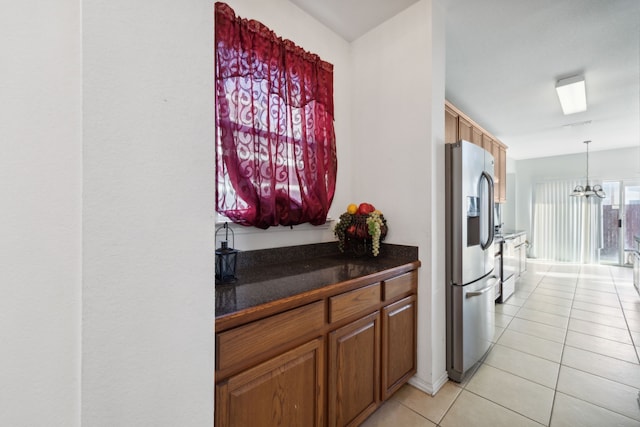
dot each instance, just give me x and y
(268, 275)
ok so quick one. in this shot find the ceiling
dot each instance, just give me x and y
(503, 58)
(352, 18)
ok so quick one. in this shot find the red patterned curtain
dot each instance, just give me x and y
(275, 141)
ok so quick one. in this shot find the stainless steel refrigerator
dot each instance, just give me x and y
(470, 256)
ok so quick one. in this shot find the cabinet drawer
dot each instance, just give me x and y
(400, 285)
(345, 305)
(264, 336)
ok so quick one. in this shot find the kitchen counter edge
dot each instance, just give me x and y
(248, 314)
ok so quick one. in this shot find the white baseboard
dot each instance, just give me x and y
(429, 388)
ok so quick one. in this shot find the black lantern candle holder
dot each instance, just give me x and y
(226, 257)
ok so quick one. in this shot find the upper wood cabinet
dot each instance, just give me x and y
(469, 132)
(487, 143)
(464, 129)
(458, 126)
(450, 125)
(476, 136)
(503, 174)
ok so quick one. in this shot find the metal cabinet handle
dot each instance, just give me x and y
(491, 220)
(483, 290)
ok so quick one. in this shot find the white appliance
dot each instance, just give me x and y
(470, 277)
(510, 267)
(636, 270)
(634, 258)
(497, 262)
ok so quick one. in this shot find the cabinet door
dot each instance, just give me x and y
(464, 129)
(399, 351)
(487, 143)
(476, 136)
(503, 175)
(468, 132)
(285, 390)
(354, 371)
(497, 171)
(450, 126)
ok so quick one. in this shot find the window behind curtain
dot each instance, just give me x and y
(275, 143)
(564, 228)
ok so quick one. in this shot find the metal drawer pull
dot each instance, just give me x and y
(483, 290)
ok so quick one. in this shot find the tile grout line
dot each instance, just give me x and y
(611, 277)
(564, 344)
(483, 360)
(505, 407)
(422, 416)
(624, 314)
(591, 373)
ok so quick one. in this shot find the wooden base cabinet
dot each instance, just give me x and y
(287, 390)
(354, 371)
(399, 344)
(330, 362)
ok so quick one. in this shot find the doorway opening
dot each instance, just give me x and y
(620, 220)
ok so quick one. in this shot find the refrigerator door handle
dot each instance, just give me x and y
(483, 290)
(490, 213)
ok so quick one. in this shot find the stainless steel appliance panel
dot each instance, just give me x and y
(510, 267)
(473, 324)
(521, 252)
(508, 288)
(498, 284)
(635, 260)
(470, 255)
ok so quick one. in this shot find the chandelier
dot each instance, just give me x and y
(588, 191)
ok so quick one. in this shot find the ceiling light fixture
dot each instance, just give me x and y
(588, 191)
(572, 94)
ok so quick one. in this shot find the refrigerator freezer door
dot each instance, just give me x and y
(472, 325)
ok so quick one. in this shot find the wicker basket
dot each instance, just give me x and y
(357, 238)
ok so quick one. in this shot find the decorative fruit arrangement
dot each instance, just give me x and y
(365, 208)
(360, 226)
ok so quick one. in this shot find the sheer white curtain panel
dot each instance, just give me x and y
(564, 228)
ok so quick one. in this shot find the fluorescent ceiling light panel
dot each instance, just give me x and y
(572, 94)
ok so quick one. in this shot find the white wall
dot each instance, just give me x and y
(433, 255)
(290, 22)
(509, 208)
(603, 165)
(398, 143)
(40, 218)
(148, 288)
(390, 140)
(107, 141)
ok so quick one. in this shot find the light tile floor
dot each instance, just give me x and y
(565, 353)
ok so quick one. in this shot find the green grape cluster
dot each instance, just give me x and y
(374, 222)
(340, 229)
